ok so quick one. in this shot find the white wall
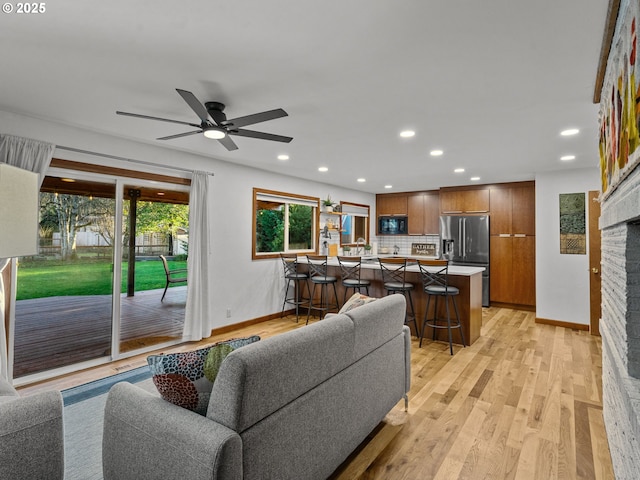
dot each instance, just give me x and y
(562, 281)
(249, 288)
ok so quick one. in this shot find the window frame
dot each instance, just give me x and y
(358, 211)
(285, 198)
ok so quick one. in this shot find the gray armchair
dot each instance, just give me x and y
(31, 435)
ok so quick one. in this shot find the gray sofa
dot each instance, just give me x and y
(31, 435)
(293, 406)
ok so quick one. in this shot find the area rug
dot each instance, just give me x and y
(83, 420)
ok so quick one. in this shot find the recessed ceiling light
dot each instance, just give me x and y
(474, 179)
(388, 186)
(569, 131)
(407, 133)
(568, 157)
(459, 170)
(362, 180)
(160, 194)
(323, 169)
(68, 180)
(283, 157)
(436, 153)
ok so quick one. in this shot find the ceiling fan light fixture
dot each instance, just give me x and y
(214, 133)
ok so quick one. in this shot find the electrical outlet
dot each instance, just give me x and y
(228, 313)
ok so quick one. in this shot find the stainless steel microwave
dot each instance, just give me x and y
(392, 225)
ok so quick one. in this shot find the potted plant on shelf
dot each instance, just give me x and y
(367, 249)
(347, 250)
(327, 204)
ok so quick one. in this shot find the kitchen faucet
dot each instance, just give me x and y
(359, 244)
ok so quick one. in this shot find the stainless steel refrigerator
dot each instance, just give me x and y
(465, 241)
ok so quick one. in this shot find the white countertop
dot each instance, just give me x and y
(371, 262)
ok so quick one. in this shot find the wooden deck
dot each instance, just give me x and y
(58, 331)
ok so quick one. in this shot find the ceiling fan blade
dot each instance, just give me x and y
(228, 143)
(137, 115)
(178, 135)
(257, 118)
(195, 104)
(261, 135)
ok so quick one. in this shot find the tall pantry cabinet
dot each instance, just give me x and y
(513, 244)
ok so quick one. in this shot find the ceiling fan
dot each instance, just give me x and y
(221, 127)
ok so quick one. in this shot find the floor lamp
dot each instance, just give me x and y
(18, 232)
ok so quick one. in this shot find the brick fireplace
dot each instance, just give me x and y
(620, 324)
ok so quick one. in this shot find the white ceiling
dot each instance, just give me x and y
(492, 83)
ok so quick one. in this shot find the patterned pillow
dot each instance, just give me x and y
(186, 379)
(356, 300)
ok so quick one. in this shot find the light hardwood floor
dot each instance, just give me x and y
(523, 402)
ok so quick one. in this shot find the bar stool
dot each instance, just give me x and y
(318, 276)
(291, 274)
(393, 276)
(350, 269)
(435, 281)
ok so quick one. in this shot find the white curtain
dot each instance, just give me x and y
(198, 321)
(34, 156)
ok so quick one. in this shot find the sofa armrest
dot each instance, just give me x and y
(146, 437)
(407, 359)
(32, 436)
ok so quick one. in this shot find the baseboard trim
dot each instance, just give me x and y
(247, 323)
(558, 323)
(513, 306)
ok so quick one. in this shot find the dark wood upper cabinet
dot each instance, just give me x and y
(454, 201)
(424, 213)
(513, 209)
(392, 204)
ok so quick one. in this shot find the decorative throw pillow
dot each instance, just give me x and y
(356, 300)
(186, 379)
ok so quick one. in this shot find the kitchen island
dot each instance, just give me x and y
(467, 279)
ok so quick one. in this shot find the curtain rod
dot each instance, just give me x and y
(116, 157)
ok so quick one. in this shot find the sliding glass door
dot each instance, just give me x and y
(156, 223)
(94, 292)
(64, 302)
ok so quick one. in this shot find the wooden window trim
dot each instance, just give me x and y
(117, 172)
(256, 191)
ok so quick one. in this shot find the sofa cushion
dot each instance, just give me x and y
(376, 323)
(259, 379)
(356, 300)
(186, 378)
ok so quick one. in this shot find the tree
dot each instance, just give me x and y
(158, 217)
(70, 213)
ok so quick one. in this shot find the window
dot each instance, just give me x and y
(355, 224)
(283, 222)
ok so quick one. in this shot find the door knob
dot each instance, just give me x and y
(595, 270)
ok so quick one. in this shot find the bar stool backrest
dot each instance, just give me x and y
(350, 268)
(437, 277)
(317, 265)
(290, 264)
(393, 269)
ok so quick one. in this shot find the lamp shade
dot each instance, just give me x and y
(18, 211)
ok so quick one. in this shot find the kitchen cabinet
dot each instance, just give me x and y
(423, 213)
(461, 201)
(512, 244)
(392, 204)
(512, 270)
(513, 209)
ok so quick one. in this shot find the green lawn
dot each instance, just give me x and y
(49, 279)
